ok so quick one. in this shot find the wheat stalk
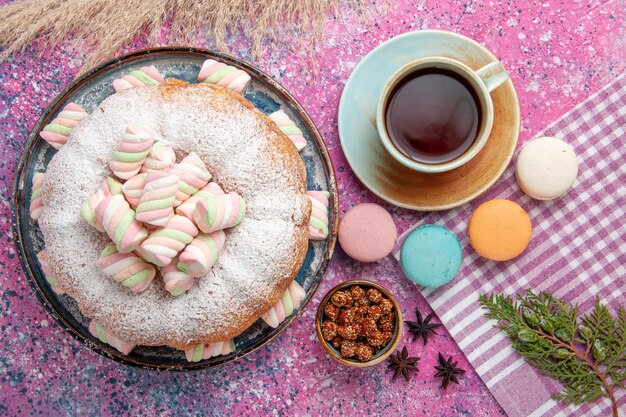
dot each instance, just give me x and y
(102, 27)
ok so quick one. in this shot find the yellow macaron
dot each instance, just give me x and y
(499, 230)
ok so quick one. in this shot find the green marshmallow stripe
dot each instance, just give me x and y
(109, 250)
(210, 242)
(211, 209)
(183, 267)
(174, 234)
(177, 292)
(291, 130)
(51, 280)
(86, 214)
(287, 303)
(242, 211)
(319, 225)
(129, 156)
(156, 204)
(56, 128)
(144, 78)
(121, 228)
(216, 76)
(139, 277)
(101, 333)
(114, 186)
(183, 187)
(231, 343)
(197, 353)
(36, 194)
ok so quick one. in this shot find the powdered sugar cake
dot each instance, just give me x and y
(245, 152)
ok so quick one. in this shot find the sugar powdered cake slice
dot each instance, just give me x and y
(245, 152)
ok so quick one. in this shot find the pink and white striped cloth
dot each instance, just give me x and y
(577, 252)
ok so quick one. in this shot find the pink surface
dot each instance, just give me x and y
(557, 53)
(367, 232)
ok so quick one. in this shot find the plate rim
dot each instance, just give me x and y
(342, 110)
(18, 195)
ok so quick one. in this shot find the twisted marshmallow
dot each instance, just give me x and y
(200, 255)
(110, 186)
(215, 72)
(36, 203)
(189, 205)
(156, 205)
(192, 176)
(117, 219)
(133, 189)
(289, 128)
(217, 212)
(126, 268)
(131, 152)
(138, 78)
(99, 331)
(164, 244)
(209, 350)
(289, 302)
(57, 131)
(160, 158)
(318, 222)
(176, 281)
(42, 256)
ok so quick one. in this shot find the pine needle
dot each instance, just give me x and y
(588, 358)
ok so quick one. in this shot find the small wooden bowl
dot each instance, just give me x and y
(382, 354)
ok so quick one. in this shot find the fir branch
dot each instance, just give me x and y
(588, 358)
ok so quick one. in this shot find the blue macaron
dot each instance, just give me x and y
(431, 256)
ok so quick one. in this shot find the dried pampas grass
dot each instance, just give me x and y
(103, 27)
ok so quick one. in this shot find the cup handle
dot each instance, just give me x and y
(493, 75)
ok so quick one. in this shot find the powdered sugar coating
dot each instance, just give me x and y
(244, 154)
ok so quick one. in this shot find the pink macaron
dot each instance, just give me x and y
(367, 233)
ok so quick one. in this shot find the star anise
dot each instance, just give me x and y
(448, 371)
(422, 327)
(402, 364)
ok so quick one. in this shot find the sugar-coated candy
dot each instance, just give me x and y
(117, 219)
(288, 303)
(132, 150)
(98, 330)
(192, 176)
(219, 211)
(138, 78)
(160, 158)
(42, 257)
(318, 222)
(57, 131)
(156, 205)
(209, 350)
(163, 244)
(219, 73)
(189, 205)
(176, 281)
(289, 128)
(200, 255)
(127, 268)
(133, 189)
(36, 203)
